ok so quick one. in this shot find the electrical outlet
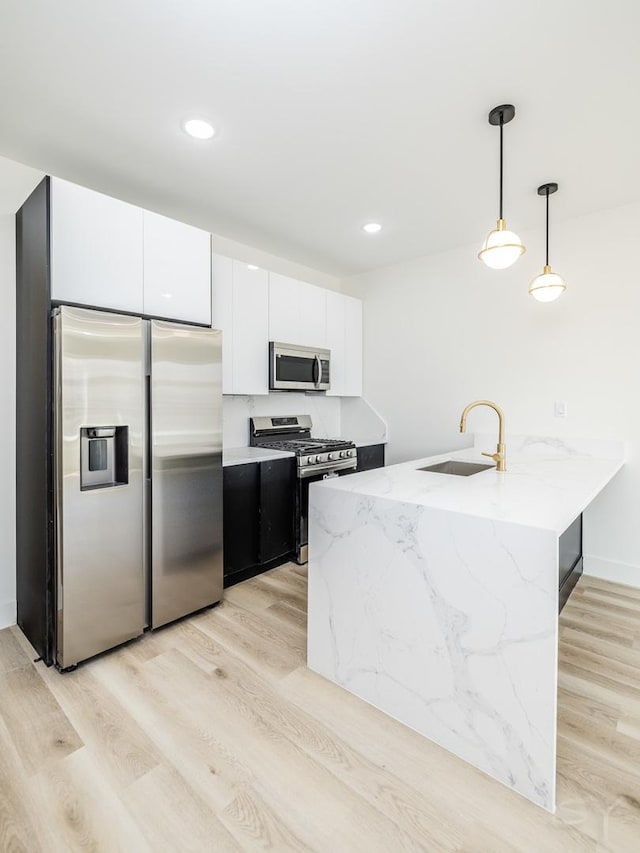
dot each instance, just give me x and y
(560, 409)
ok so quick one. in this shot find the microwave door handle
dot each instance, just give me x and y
(317, 370)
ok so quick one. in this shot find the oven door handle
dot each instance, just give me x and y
(317, 370)
(305, 473)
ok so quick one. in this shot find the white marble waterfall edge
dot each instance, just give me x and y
(403, 613)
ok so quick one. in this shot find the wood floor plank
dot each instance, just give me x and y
(121, 745)
(282, 592)
(583, 639)
(167, 809)
(85, 812)
(12, 654)
(591, 582)
(252, 639)
(605, 598)
(623, 618)
(188, 742)
(256, 827)
(289, 615)
(38, 726)
(21, 831)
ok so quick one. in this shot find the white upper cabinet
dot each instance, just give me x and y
(241, 311)
(283, 309)
(177, 270)
(222, 314)
(336, 341)
(96, 249)
(352, 347)
(344, 339)
(297, 312)
(250, 330)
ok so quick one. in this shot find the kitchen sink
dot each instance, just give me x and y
(454, 466)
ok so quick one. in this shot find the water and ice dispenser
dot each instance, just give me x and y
(104, 457)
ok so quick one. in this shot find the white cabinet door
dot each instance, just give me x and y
(353, 347)
(312, 315)
(96, 249)
(336, 341)
(284, 307)
(177, 270)
(240, 308)
(250, 332)
(222, 314)
(297, 312)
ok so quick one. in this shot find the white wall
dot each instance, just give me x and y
(7, 423)
(443, 330)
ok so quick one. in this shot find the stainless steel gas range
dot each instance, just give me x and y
(317, 459)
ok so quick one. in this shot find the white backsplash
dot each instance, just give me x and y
(237, 409)
(360, 422)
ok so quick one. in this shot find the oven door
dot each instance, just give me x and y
(302, 510)
(294, 368)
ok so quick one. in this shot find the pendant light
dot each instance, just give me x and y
(502, 248)
(548, 285)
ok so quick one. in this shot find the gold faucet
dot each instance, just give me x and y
(500, 456)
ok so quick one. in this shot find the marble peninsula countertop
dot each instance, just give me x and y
(547, 483)
(435, 597)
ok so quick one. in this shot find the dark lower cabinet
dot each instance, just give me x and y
(371, 456)
(569, 560)
(277, 510)
(259, 506)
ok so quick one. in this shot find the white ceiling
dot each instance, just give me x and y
(331, 113)
(16, 183)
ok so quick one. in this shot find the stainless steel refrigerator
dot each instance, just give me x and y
(137, 476)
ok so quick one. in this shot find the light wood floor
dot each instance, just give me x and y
(211, 735)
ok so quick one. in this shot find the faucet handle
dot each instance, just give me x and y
(499, 457)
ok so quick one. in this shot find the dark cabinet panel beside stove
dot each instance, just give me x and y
(277, 509)
(241, 502)
(258, 517)
(371, 456)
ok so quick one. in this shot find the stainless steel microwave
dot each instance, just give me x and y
(295, 368)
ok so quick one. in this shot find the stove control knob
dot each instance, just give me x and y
(351, 453)
(332, 456)
(343, 454)
(311, 460)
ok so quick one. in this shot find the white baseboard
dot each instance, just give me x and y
(609, 570)
(7, 613)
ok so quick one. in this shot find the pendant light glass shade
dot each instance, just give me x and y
(547, 286)
(502, 248)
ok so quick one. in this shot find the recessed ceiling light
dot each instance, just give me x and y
(372, 227)
(198, 128)
(252, 267)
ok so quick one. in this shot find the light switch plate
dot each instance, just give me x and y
(560, 409)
